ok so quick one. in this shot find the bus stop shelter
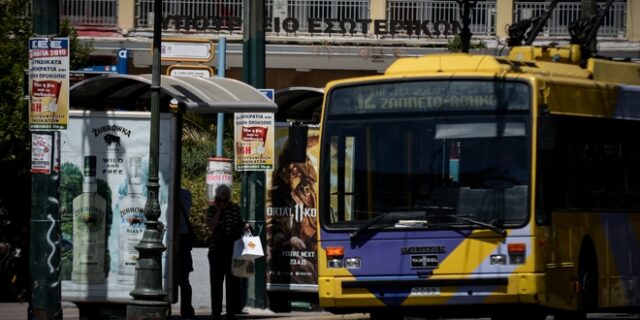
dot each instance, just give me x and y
(132, 93)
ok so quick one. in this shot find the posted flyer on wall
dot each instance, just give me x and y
(48, 83)
(254, 136)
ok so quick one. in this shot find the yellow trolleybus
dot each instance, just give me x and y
(467, 184)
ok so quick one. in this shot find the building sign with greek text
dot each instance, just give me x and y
(346, 26)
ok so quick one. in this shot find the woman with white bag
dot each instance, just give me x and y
(226, 225)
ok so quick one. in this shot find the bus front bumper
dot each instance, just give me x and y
(343, 292)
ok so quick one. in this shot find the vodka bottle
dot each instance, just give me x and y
(131, 223)
(88, 229)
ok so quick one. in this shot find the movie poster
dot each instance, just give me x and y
(291, 213)
(103, 193)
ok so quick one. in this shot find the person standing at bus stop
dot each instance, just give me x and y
(226, 226)
(185, 262)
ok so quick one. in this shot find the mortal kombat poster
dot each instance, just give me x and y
(291, 212)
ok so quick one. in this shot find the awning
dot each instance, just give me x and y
(199, 95)
(299, 104)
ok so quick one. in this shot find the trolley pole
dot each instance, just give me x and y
(253, 182)
(44, 253)
(149, 297)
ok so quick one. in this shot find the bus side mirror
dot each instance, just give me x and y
(297, 151)
(546, 132)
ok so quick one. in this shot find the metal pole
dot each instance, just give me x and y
(465, 34)
(44, 253)
(253, 182)
(222, 64)
(149, 298)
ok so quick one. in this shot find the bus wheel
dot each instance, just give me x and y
(587, 283)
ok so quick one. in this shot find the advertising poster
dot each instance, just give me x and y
(41, 153)
(48, 83)
(103, 193)
(291, 212)
(253, 137)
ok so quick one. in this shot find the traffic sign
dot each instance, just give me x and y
(194, 50)
(190, 71)
(269, 93)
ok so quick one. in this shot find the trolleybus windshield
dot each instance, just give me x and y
(426, 154)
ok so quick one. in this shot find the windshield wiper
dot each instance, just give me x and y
(368, 224)
(489, 226)
(372, 221)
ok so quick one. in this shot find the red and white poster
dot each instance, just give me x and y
(41, 153)
(48, 83)
(254, 141)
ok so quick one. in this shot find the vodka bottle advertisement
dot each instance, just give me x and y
(132, 220)
(104, 173)
(89, 229)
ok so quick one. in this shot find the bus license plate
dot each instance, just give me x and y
(425, 291)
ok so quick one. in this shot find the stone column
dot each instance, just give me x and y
(633, 20)
(126, 15)
(504, 16)
(378, 9)
(378, 12)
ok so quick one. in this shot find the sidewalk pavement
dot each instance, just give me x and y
(18, 311)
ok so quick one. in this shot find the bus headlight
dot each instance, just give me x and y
(334, 263)
(352, 263)
(498, 259)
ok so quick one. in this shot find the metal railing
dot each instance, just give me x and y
(90, 13)
(440, 15)
(192, 14)
(214, 15)
(483, 16)
(567, 12)
(302, 10)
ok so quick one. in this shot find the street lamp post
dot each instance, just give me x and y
(149, 297)
(465, 12)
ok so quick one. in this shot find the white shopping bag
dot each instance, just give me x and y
(247, 248)
(243, 268)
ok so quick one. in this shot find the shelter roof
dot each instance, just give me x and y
(198, 95)
(299, 104)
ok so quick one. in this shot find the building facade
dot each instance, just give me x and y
(310, 42)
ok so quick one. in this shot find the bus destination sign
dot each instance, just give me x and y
(429, 96)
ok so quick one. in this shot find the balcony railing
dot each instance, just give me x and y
(199, 15)
(293, 17)
(284, 16)
(100, 14)
(444, 14)
(566, 12)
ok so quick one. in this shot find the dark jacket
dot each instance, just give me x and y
(227, 228)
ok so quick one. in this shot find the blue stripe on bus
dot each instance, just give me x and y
(381, 251)
(627, 102)
(624, 248)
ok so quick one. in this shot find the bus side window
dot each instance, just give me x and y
(546, 178)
